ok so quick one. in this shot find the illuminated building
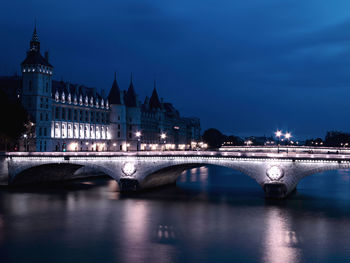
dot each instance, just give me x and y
(72, 117)
(161, 118)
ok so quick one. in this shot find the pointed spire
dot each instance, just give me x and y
(131, 82)
(35, 37)
(131, 86)
(33, 55)
(154, 102)
(34, 43)
(114, 94)
(130, 96)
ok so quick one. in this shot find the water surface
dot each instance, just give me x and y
(214, 214)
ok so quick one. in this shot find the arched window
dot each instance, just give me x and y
(92, 134)
(103, 135)
(76, 133)
(98, 135)
(30, 85)
(70, 131)
(64, 131)
(57, 130)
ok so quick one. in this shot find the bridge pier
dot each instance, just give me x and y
(128, 185)
(276, 190)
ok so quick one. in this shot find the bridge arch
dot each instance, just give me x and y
(169, 173)
(44, 173)
(318, 170)
(56, 171)
(149, 166)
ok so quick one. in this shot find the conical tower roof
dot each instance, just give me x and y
(114, 93)
(154, 102)
(130, 96)
(35, 37)
(33, 55)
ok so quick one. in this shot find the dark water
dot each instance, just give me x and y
(212, 215)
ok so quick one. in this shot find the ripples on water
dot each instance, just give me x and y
(213, 215)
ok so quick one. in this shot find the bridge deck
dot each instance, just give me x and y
(329, 156)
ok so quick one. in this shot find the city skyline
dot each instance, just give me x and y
(175, 131)
(242, 71)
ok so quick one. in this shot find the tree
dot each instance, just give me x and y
(13, 119)
(214, 138)
(314, 142)
(234, 140)
(337, 138)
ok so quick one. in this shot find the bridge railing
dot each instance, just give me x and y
(303, 149)
(232, 154)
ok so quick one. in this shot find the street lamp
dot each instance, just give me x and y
(288, 135)
(25, 142)
(163, 137)
(278, 134)
(248, 142)
(138, 136)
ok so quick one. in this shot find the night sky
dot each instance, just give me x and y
(244, 67)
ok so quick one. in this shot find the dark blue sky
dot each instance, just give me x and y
(245, 67)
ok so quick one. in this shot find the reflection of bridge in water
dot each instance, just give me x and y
(278, 171)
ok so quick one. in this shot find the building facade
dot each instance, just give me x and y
(72, 117)
(163, 128)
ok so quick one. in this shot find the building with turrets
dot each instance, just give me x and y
(125, 117)
(36, 94)
(133, 117)
(163, 127)
(72, 117)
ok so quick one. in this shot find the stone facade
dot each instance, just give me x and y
(163, 128)
(278, 176)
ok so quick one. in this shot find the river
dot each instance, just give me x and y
(213, 214)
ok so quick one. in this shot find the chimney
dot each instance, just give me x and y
(47, 56)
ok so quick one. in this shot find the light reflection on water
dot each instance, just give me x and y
(281, 242)
(212, 215)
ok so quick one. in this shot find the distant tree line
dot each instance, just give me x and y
(214, 138)
(332, 139)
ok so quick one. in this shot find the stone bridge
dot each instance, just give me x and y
(277, 173)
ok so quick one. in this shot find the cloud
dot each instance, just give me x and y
(239, 65)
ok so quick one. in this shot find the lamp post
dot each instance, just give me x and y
(288, 135)
(248, 142)
(163, 137)
(25, 142)
(138, 136)
(278, 134)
